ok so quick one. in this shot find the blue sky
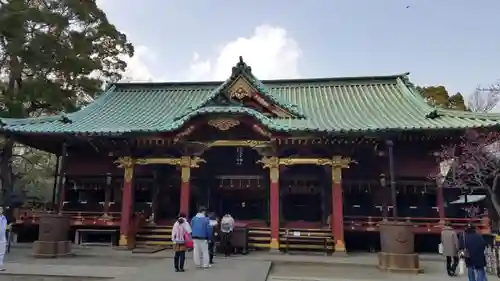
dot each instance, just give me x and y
(455, 43)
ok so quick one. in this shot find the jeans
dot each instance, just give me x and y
(451, 264)
(476, 274)
(200, 252)
(211, 248)
(179, 259)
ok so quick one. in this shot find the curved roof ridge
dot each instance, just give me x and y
(264, 81)
(468, 114)
(264, 120)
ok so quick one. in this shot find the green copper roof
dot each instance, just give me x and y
(336, 105)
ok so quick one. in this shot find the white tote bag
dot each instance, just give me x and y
(461, 267)
(440, 248)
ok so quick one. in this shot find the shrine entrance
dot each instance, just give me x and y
(304, 194)
(232, 182)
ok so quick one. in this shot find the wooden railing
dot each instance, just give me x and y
(77, 218)
(421, 225)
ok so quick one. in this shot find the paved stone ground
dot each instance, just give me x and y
(311, 272)
(126, 266)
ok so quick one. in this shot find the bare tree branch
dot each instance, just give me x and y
(484, 99)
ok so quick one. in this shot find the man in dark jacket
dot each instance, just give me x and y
(472, 245)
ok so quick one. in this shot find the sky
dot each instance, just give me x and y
(455, 43)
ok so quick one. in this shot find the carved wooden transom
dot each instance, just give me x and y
(223, 124)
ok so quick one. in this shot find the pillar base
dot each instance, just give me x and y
(339, 248)
(404, 263)
(274, 246)
(123, 243)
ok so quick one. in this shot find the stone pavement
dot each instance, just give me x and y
(224, 269)
(126, 266)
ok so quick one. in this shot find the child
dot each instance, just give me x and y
(178, 237)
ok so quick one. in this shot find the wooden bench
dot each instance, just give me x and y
(82, 233)
(305, 237)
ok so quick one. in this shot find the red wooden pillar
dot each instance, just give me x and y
(274, 196)
(337, 217)
(127, 193)
(440, 204)
(185, 184)
(273, 164)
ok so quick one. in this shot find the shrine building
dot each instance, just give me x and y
(317, 156)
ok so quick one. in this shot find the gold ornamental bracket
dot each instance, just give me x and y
(184, 161)
(239, 143)
(339, 163)
(273, 164)
(336, 161)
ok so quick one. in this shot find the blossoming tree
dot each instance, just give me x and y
(473, 163)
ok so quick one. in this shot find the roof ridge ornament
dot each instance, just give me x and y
(240, 68)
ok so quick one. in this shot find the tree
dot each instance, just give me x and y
(438, 96)
(474, 163)
(484, 99)
(55, 56)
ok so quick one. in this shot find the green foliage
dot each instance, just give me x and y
(34, 172)
(438, 96)
(55, 56)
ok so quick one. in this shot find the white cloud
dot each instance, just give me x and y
(270, 51)
(137, 69)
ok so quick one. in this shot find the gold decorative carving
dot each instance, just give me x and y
(273, 164)
(240, 143)
(240, 89)
(124, 162)
(224, 124)
(342, 162)
(127, 163)
(164, 161)
(338, 163)
(270, 162)
(305, 161)
(185, 161)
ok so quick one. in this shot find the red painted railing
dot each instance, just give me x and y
(421, 225)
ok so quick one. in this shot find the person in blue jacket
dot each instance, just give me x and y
(201, 235)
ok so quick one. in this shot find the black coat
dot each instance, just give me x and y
(475, 245)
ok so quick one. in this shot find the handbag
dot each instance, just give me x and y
(188, 242)
(465, 252)
(440, 248)
(461, 267)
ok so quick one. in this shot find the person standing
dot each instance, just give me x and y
(3, 237)
(449, 242)
(211, 244)
(179, 233)
(226, 229)
(201, 235)
(472, 246)
(186, 224)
